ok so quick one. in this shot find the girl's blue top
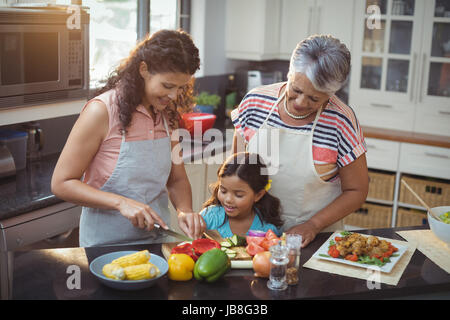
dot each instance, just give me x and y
(214, 217)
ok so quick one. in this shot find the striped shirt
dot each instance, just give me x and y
(337, 139)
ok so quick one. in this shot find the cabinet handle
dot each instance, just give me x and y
(380, 105)
(413, 76)
(436, 155)
(424, 57)
(445, 113)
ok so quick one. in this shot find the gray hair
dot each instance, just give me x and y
(324, 60)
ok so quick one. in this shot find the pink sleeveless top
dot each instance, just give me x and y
(142, 127)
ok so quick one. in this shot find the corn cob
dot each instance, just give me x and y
(113, 271)
(141, 271)
(133, 259)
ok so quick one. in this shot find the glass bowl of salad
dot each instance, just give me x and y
(441, 228)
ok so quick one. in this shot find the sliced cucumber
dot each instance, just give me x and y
(230, 253)
(238, 240)
(226, 244)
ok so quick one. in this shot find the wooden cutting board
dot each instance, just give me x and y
(242, 260)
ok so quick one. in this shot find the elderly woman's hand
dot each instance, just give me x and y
(307, 230)
(192, 224)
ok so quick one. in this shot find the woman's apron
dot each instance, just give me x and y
(295, 181)
(140, 174)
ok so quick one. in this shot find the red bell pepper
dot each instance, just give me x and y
(200, 246)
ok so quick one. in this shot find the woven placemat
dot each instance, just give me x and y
(431, 246)
(372, 276)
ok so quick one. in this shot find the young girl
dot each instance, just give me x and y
(240, 200)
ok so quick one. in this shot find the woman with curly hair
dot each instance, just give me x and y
(117, 159)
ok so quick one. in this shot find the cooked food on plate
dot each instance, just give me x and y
(362, 249)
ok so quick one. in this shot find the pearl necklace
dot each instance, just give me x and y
(292, 115)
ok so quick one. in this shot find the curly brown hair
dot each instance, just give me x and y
(163, 51)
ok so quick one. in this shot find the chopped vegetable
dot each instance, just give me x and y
(225, 244)
(332, 251)
(200, 246)
(256, 233)
(238, 240)
(186, 249)
(445, 217)
(230, 253)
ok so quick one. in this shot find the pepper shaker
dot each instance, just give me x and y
(294, 243)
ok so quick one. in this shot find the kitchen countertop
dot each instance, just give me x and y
(42, 274)
(30, 188)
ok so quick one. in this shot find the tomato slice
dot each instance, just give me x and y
(257, 240)
(271, 235)
(200, 246)
(252, 248)
(266, 244)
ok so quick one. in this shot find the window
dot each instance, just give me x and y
(114, 29)
(112, 34)
(163, 15)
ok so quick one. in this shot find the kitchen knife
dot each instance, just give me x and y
(173, 233)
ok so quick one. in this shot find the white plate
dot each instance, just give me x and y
(386, 268)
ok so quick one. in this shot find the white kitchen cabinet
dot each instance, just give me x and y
(266, 29)
(296, 21)
(382, 154)
(427, 161)
(401, 67)
(252, 29)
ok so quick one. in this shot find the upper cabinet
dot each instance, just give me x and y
(401, 65)
(270, 29)
(252, 29)
(433, 87)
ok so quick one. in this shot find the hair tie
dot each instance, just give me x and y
(268, 185)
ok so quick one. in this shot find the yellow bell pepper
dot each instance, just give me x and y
(181, 267)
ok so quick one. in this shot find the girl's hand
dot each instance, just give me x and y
(192, 224)
(307, 230)
(140, 215)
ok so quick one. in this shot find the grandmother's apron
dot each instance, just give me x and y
(295, 181)
(140, 174)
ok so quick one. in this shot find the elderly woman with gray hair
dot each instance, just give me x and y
(310, 140)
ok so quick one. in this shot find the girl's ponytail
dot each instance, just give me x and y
(270, 208)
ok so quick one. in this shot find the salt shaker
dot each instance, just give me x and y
(278, 265)
(294, 243)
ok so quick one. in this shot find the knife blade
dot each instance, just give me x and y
(173, 233)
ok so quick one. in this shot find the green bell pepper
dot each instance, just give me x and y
(211, 265)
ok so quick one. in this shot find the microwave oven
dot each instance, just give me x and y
(43, 58)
